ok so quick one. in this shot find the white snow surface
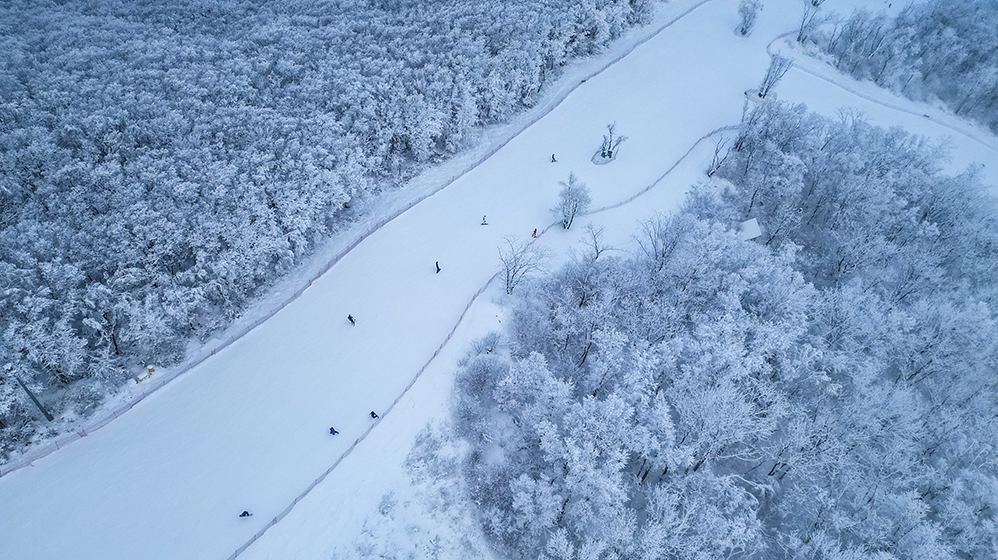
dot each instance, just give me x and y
(248, 428)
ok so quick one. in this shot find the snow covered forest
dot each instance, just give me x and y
(824, 391)
(942, 49)
(162, 163)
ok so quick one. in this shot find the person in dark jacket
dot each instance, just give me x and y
(438, 267)
(352, 322)
(245, 514)
(332, 431)
(374, 415)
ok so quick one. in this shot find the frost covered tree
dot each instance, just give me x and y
(881, 272)
(610, 144)
(568, 468)
(594, 242)
(748, 10)
(14, 409)
(809, 19)
(721, 145)
(573, 199)
(930, 50)
(519, 259)
(778, 67)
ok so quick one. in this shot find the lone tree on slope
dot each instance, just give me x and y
(609, 146)
(719, 158)
(749, 10)
(573, 199)
(778, 67)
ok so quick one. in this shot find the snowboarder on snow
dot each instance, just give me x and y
(245, 514)
(332, 431)
(374, 415)
(484, 223)
(438, 267)
(553, 160)
(352, 322)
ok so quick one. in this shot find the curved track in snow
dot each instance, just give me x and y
(474, 298)
(885, 98)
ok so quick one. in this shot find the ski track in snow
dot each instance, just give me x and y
(557, 98)
(830, 75)
(57, 443)
(481, 290)
(839, 80)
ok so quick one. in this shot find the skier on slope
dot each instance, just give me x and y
(332, 431)
(553, 160)
(374, 415)
(484, 223)
(438, 267)
(534, 234)
(352, 322)
(245, 514)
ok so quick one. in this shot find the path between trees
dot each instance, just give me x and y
(268, 404)
(57, 443)
(447, 339)
(841, 81)
(239, 436)
(880, 96)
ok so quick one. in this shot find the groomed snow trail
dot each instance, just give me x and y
(321, 529)
(540, 235)
(507, 133)
(874, 94)
(248, 429)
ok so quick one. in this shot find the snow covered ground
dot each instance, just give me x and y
(247, 429)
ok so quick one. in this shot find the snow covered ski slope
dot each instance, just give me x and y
(248, 428)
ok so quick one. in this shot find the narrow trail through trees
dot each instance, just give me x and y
(811, 67)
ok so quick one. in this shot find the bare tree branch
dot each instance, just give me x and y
(519, 259)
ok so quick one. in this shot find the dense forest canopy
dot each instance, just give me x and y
(825, 391)
(161, 162)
